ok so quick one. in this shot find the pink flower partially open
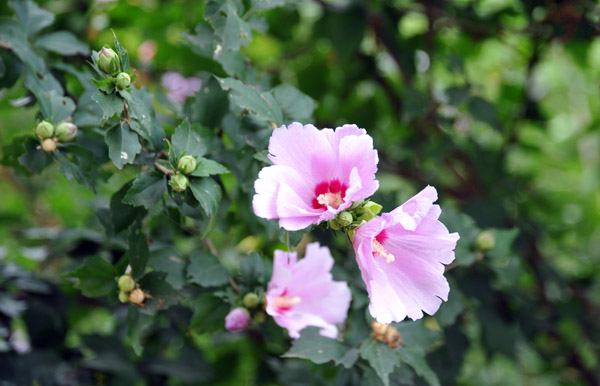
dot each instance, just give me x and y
(303, 293)
(315, 174)
(401, 256)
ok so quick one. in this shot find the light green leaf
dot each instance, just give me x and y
(229, 27)
(96, 276)
(206, 167)
(319, 349)
(260, 105)
(62, 42)
(263, 5)
(12, 33)
(296, 106)
(380, 357)
(208, 193)
(110, 104)
(146, 190)
(415, 358)
(206, 270)
(187, 141)
(123, 144)
(32, 16)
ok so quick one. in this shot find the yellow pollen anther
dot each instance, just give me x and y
(333, 200)
(379, 250)
(286, 301)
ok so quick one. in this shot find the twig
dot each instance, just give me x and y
(163, 169)
(126, 109)
(234, 285)
(211, 246)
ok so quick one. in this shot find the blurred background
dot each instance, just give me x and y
(494, 102)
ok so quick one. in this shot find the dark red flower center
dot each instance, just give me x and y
(329, 194)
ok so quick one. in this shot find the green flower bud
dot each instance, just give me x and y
(344, 219)
(49, 145)
(123, 297)
(179, 182)
(108, 61)
(123, 80)
(334, 225)
(369, 210)
(126, 283)
(251, 300)
(485, 241)
(44, 130)
(260, 317)
(65, 131)
(186, 164)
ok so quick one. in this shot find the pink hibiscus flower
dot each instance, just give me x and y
(303, 293)
(178, 87)
(401, 256)
(315, 174)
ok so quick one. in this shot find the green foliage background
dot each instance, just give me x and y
(495, 103)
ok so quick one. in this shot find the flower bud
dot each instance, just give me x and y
(137, 297)
(65, 131)
(123, 80)
(485, 241)
(126, 283)
(344, 218)
(237, 319)
(260, 317)
(108, 61)
(123, 297)
(369, 210)
(186, 164)
(251, 300)
(44, 130)
(49, 145)
(179, 182)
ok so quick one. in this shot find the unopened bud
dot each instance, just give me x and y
(126, 283)
(334, 225)
(251, 300)
(179, 182)
(65, 131)
(344, 218)
(485, 241)
(369, 210)
(237, 319)
(186, 164)
(123, 80)
(44, 130)
(386, 333)
(108, 61)
(137, 296)
(260, 317)
(123, 297)
(49, 145)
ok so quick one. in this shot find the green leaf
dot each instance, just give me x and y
(54, 106)
(163, 294)
(319, 349)
(32, 16)
(208, 193)
(209, 314)
(138, 249)
(137, 323)
(106, 85)
(110, 104)
(263, 5)
(295, 105)
(206, 270)
(504, 238)
(232, 31)
(187, 141)
(34, 159)
(96, 277)
(143, 121)
(380, 357)
(253, 269)
(123, 56)
(123, 215)
(76, 171)
(415, 358)
(12, 33)
(450, 310)
(62, 42)
(123, 144)
(209, 105)
(146, 190)
(168, 261)
(416, 334)
(260, 105)
(206, 167)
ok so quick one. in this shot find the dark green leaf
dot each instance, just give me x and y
(146, 190)
(143, 121)
(32, 16)
(34, 159)
(295, 105)
(187, 141)
(504, 239)
(111, 104)
(12, 33)
(209, 314)
(209, 105)
(206, 167)
(450, 310)
(138, 250)
(96, 276)
(415, 358)
(262, 5)
(123, 215)
(77, 171)
(319, 349)
(232, 31)
(206, 270)
(106, 85)
(253, 269)
(260, 105)
(380, 357)
(168, 261)
(62, 42)
(208, 193)
(123, 144)
(137, 323)
(163, 294)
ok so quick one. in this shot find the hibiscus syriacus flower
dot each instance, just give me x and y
(303, 293)
(401, 256)
(315, 174)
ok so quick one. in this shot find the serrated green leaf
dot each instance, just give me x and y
(206, 270)
(253, 269)
(380, 357)
(122, 52)
(416, 334)
(415, 358)
(187, 141)
(319, 349)
(232, 31)
(206, 167)
(143, 121)
(33, 159)
(13, 34)
(54, 106)
(32, 16)
(168, 261)
(209, 105)
(163, 294)
(208, 193)
(106, 85)
(260, 105)
(123, 144)
(96, 276)
(295, 105)
(62, 42)
(146, 190)
(209, 314)
(137, 323)
(110, 104)
(138, 250)
(123, 215)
